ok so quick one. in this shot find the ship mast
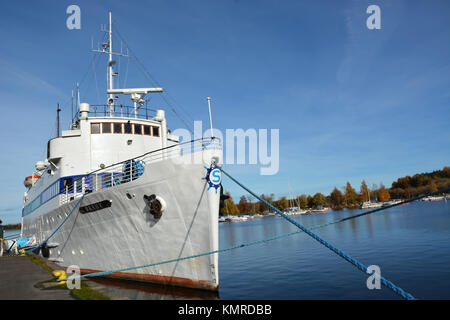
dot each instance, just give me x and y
(108, 49)
(110, 68)
(136, 94)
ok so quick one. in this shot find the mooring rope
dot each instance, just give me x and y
(387, 283)
(339, 252)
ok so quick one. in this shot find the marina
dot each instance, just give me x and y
(249, 273)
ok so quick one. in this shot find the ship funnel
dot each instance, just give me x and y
(84, 110)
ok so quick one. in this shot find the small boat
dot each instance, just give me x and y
(431, 198)
(370, 205)
(391, 202)
(222, 219)
(320, 210)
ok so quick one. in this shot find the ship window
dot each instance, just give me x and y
(137, 129)
(147, 131)
(68, 184)
(155, 131)
(95, 127)
(117, 128)
(106, 127)
(128, 128)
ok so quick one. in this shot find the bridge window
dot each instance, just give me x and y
(117, 128)
(137, 129)
(106, 127)
(147, 131)
(155, 131)
(128, 128)
(95, 127)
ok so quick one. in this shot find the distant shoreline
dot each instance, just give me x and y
(16, 226)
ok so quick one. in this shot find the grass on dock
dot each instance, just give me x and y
(84, 293)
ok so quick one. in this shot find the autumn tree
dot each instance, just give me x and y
(383, 194)
(318, 200)
(432, 187)
(350, 197)
(364, 192)
(336, 197)
(282, 203)
(243, 205)
(230, 207)
(303, 201)
(309, 201)
(262, 207)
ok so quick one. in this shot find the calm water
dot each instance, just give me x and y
(411, 245)
(9, 233)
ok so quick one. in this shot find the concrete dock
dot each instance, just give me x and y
(19, 277)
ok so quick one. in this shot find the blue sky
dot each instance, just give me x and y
(350, 103)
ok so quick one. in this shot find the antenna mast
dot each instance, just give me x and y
(107, 49)
(210, 121)
(110, 68)
(58, 110)
(71, 118)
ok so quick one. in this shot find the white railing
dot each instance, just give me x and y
(129, 170)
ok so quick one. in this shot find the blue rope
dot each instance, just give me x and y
(58, 227)
(104, 273)
(387, 283)
(339, 252)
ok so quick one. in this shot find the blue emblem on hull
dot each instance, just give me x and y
(213, 177)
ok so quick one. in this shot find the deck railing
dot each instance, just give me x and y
(122, 111)
(129, 170)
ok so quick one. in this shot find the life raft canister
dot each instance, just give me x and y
(29, 180)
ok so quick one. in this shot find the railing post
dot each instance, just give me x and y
(83, 187)
(131, 170)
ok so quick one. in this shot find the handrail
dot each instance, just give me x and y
(126, 170)
(117, 173)
(121, 111)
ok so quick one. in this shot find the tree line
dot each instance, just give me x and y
(12, 226)
(348, 197)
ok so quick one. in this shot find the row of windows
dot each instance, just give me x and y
(48, 194)
(129, 128)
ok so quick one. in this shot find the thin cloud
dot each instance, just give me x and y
(14, 75)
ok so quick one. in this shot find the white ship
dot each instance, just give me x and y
(145, 200)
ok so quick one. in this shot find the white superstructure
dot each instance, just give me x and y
(146, 196)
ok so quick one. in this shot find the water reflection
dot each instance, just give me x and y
(369, 224)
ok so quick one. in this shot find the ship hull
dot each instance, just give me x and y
(127, 234)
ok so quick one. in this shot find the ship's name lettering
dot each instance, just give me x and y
(96, 206)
